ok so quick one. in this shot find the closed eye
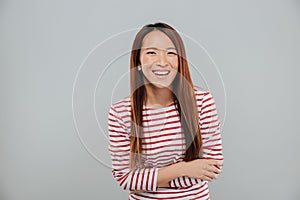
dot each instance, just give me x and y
(172, 53)
(150, 52)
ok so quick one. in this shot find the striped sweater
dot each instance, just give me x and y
(163, 145)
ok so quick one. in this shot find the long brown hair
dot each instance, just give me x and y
(183, 96)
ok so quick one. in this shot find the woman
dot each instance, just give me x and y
(164, 139)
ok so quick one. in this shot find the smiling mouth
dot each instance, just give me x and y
(161, 73)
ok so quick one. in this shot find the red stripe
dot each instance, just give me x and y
(164, 123)
(165, 140)
(119, 146)
(217, 154)
(158, 113)
(208, 117)
(114, 131)
(152, 182)
(209, 127)
(161, 118)
(143, 174)
(112, 120)
(179, 181)
(184, 181)
(208, 105)
(205, 100)
(164, 129)
(131, 180)
(137, 179)
(116, 141)
(147, 188)
(159, 147)
(114, 126)
(124, 178)
(190, 181)
(118, 151)
(177, 192)
(208, 111)
(162, 135)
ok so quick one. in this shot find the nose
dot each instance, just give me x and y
(162, 60)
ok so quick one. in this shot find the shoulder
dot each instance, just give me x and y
(200, 92)
(204, 98)
(121, 106)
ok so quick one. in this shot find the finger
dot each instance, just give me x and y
(136, 191)
(215, 162)
(210, 175)
(207, 178)
(214, 169)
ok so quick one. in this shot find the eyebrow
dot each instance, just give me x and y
(157, 48)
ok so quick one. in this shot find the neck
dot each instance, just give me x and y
(158, 97)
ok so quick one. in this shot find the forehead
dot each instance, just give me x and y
(157, 39)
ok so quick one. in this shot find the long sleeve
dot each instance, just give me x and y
(210, 129)
(183, 182)
(211, 138)
(119, 148)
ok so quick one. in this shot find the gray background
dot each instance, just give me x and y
(45, 155)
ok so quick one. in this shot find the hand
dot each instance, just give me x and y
(205, 169)
(136, 191)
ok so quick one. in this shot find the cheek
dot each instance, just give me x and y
(174, 63)
(145, 60)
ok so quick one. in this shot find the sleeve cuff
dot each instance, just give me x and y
(154, 178)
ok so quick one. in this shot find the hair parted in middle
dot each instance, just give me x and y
(182, 92)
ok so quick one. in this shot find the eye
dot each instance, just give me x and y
(150, 52)
(172, 53)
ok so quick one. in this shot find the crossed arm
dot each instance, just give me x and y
(181, 174)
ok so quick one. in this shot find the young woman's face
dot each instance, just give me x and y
(159, 60)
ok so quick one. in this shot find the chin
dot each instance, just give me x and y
(161, 86)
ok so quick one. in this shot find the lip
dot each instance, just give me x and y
(161, 71)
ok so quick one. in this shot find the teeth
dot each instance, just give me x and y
(161, 72)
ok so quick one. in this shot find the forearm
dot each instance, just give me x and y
(168, 173)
